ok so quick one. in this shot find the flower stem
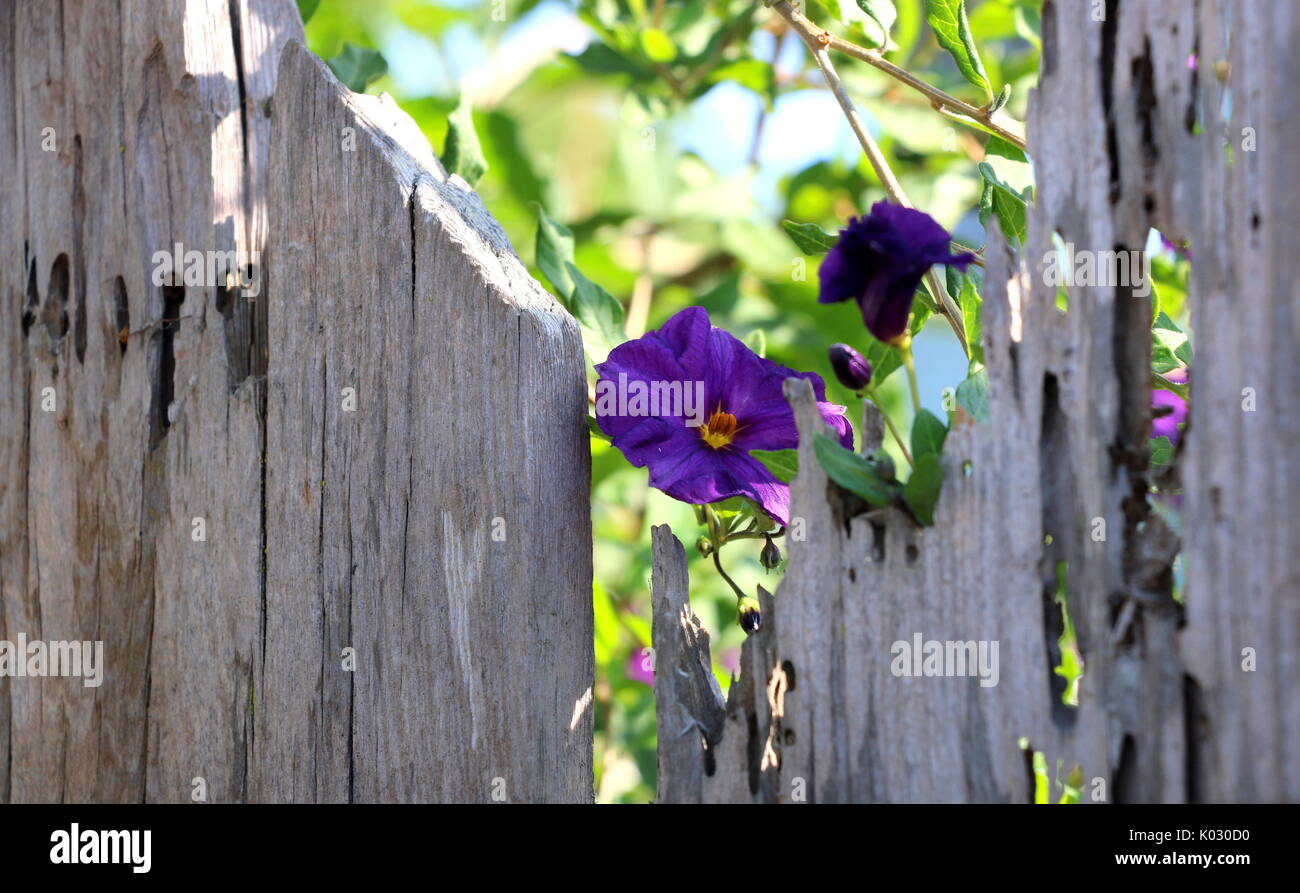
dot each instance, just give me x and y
(717, 562)
(889, 423)
(910, 365)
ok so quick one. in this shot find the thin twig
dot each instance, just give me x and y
(638, 311)
(940, 100)
(816, 43)
(889, 423)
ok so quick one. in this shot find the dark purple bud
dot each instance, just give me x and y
(770, 557)
(851, 367)
(749, 616)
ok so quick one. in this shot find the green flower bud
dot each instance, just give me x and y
(748, 614)
(704, 546)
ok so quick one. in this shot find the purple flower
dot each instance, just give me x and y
(640, 667)
(704, 457)
(1169, 245)
(1168, 410)
(879, 261)
(851, 367)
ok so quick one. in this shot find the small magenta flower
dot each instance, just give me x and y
(640, 667)
(743, 408)
(879, 261)
(851, 367)
(1168, 411)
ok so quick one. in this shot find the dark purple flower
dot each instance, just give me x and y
(1168, 410)
(851, 367)
(879, 261)
(741, 408)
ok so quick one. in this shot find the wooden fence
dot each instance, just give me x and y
(1179, 116)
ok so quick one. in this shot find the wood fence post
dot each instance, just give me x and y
(330, 520)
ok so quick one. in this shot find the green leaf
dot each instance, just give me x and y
(809, 238)
(657, 45)
(554, 253)
(1002, 99)
(1161, 451)
(1003, 201)
(307, 8)
(1170, 346)
(357, 66)
(921, 492)
(928, 434)
(877, 17)
(594, 429)
(948, 19)
(599, 314)
(851, 471)
(963, 286)
(753, 74)
(784, 464)
(462, 154)
(1028, 24)
(973, 395)
(884, 360)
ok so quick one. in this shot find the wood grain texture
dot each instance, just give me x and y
(474, 650)
(324, 528)
(1166, 712)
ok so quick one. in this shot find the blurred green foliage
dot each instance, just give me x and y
(672, 139)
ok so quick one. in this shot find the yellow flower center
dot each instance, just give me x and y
(719, 430)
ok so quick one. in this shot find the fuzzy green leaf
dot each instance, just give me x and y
(973, 395)
(1009, 207)
(599, 314)
(554, 253)
(784, 464)
(357, 66)
(921, 492)
(948, 19)
(462, 153)
(809, 238)
(928, 434)
(851, 471)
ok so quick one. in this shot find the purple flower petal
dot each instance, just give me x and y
(1165, 424)
(743, 408)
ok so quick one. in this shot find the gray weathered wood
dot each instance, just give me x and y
(325, 529)
(1166, 712)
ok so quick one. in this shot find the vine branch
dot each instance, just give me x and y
(942, 102)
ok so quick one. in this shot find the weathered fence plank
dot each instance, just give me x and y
(199, 498)
(1166, 711)
(447, 512)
